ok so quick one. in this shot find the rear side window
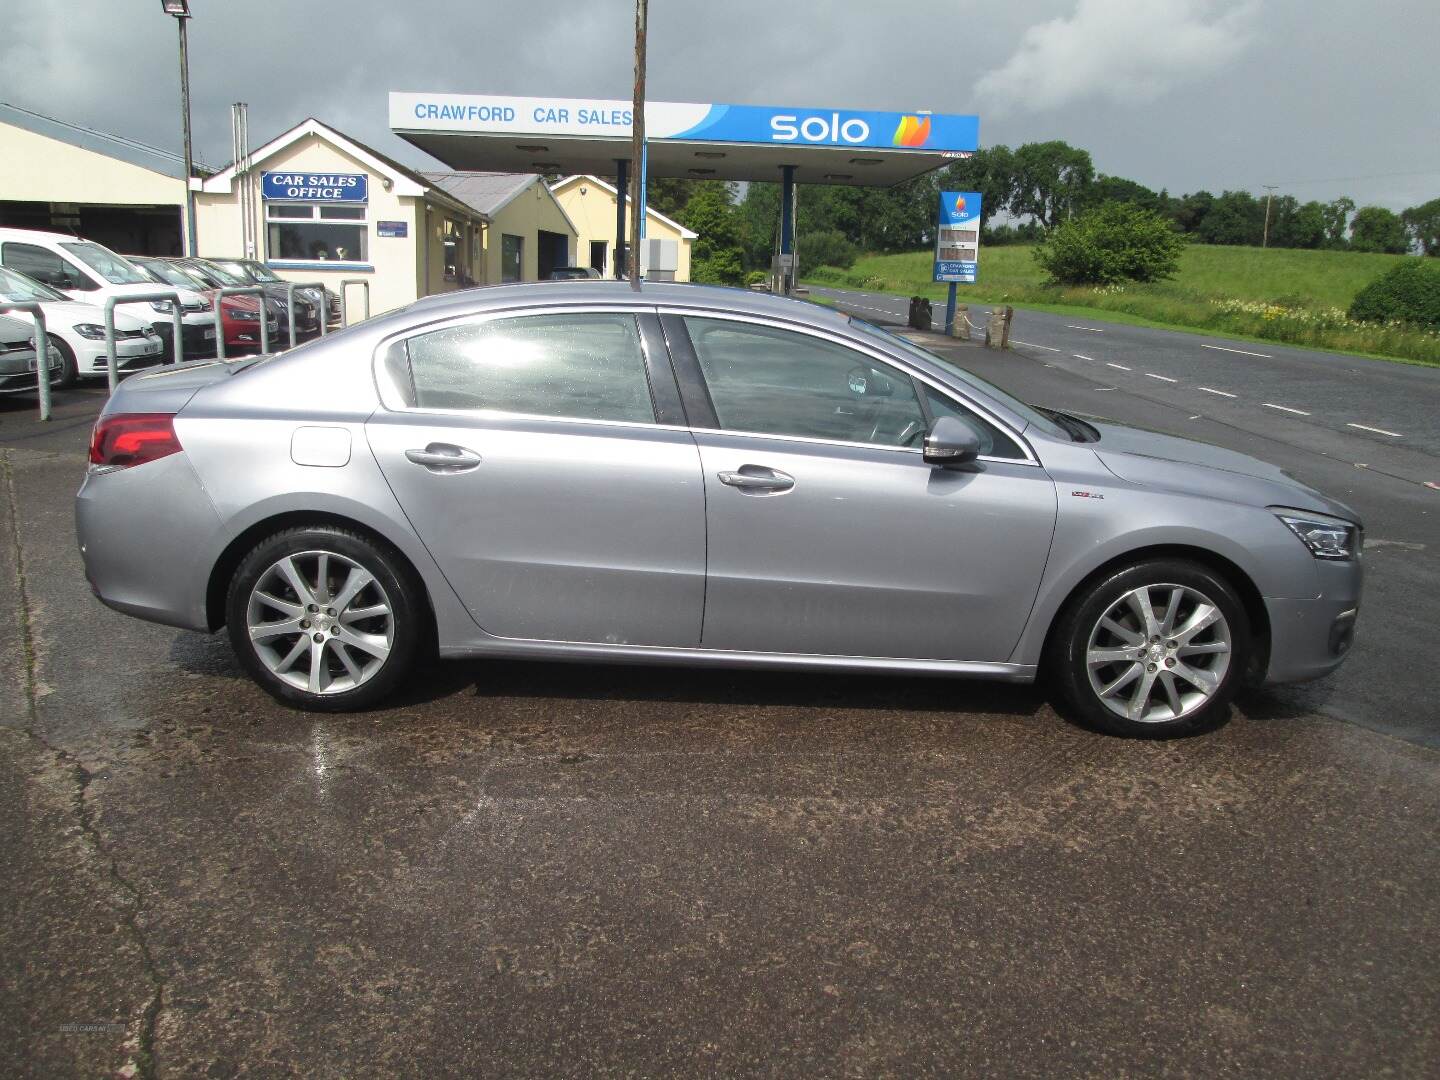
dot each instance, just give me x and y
(583, 367)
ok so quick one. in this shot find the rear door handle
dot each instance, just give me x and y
(445, 458)
(758, 480)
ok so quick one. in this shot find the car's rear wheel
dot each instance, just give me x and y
(324, 618)
(1154, 649)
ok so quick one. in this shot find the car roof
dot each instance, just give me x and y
(652, 293)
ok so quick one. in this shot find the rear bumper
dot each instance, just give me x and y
(143, 533)
(1310, 638)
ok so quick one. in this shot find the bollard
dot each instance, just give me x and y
(291, 286)
(1005, 327)
(112, 372)
(344, 306)
(42, 351)
(961, 327)
(242, 290)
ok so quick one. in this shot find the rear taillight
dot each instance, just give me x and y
(127, 439)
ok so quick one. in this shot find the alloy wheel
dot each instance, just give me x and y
(320, 622)
(1158, 653)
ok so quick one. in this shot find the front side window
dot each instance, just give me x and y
(580, 366)
(780, 382)
(44, 266)
(106, 263)
(314, 232)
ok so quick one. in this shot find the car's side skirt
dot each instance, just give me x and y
(588, 652)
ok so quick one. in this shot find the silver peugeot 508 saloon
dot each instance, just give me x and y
(696, 475)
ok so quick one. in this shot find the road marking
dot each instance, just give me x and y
(1122, 367)
(1092, 329)
(1082, 356)
(1242, 352)
(1284, 408)
(1207, 390)
(1377, 431)
(1032, 345)
(1162, 378)
(1102, 388)
(1432, 484)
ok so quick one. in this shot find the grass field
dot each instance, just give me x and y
(1298, 297)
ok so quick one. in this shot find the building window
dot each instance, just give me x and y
(512, 257)
(453, 242)
(317, 232)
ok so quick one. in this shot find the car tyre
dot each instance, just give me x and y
(69, 369)
(327, 619)
(1174, 673)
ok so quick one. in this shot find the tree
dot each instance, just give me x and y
(1337, 219)
(668, 195)
(1236, 217)
(1109, 244)
(1423, 224)
(1050, 181)
(827, 247)
(1409, 291)
(716, 258)
(1377, 229)
(1117, 189)
(1298, 226)
(1192, 211)
(991, 172)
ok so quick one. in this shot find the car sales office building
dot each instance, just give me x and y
(317, 205)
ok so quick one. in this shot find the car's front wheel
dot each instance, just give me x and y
(1154, 649)
(69, 370)
(324, 618)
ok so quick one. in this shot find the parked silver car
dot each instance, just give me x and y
(697, 476)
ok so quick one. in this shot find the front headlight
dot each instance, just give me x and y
(90, 331)
(162, 306)
(1326, 537)
(247, 316)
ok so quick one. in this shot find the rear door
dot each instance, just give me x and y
(828, 533)
(543, 460)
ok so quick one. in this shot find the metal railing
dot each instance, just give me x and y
(112, 373)
(291, 286)
(345, 307)
(245, 290)
(42, 351)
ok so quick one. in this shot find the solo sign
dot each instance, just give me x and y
(315, 187)
(957, 236)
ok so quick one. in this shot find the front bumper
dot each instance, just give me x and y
(1310, 638)
(197, 338)
(130, 354)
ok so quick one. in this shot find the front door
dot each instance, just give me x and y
(528, 459)
(827, 531)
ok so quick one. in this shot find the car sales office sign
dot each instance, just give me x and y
(315, 187)
(957, 236)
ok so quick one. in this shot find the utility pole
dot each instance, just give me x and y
(637, 147)
(181, 10)
(1269, 194)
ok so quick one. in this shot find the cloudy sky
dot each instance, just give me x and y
(1319, 97)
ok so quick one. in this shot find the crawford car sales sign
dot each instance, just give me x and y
(315, 187)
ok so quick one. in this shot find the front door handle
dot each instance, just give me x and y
(758, 480)
(444, 458)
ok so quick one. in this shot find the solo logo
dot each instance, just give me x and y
(819, 129)
(912, 131)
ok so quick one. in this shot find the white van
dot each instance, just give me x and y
(92, 273)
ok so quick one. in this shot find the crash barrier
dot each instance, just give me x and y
(42, 351)
(244, 290)
(291, 286)
(997, 327)
(112, 371)
(344, 293)
(922, 316)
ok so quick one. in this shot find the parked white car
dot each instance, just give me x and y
(77, 330)
(18, 358)
(91, 273)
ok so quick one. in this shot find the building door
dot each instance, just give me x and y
(597, 255)
(554, 250)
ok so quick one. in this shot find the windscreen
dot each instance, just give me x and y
(19, 289)
(106, 263)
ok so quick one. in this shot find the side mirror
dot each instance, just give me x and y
(951, 442)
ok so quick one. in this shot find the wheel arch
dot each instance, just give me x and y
(229, 559)
(1256, 613)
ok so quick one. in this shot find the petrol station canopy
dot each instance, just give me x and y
(692, 141)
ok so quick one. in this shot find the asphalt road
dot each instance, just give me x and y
(527, 869)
